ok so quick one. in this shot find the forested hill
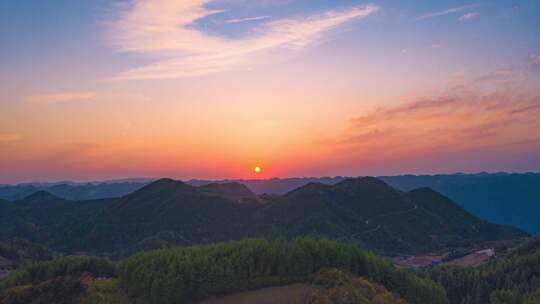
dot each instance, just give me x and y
(366, 211)
(21, 252)
(328, 271)
(508, 280)
(331, 272)
(511, 199)
(384, 219)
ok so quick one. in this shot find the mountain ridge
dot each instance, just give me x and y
(168, 212)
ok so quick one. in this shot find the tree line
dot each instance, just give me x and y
(182, 275)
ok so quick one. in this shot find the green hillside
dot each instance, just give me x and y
(21, 252)
(188, 274)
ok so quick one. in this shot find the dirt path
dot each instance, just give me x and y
(382, 216)
(289, 294)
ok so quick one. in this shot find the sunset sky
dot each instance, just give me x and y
(186, 89)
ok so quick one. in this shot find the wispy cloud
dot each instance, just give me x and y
(247, 19)
(459, 73)
(447, 11)
(165, 30)
(534, 59)
(8, 138)
(60, 97)
(469, 16)
(468, 116)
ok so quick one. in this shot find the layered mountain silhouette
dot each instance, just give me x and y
(73, 191)
(503, 198)
(168, 212)
(381, 217)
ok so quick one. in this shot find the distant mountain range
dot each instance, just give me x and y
(511, 199)
(167, 212)
(73, 191)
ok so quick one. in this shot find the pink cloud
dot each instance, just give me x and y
(470, 117)
(60, 97)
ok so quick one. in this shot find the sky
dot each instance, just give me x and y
(94, 90)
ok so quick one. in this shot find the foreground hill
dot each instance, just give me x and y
(333, 273)
(324, 287)
(168, 212)
(259, 271)
(21, 252)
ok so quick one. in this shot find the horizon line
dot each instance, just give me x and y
(152, 179)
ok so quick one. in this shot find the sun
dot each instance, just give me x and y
(257, 169)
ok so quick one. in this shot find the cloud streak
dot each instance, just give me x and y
(467, 118)
(9, 138)
(240, 20)
(166, 31)
(469, 16)
(447, 12)
(60, 97)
